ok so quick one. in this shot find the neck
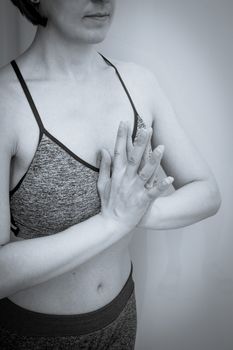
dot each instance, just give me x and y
(63, 58)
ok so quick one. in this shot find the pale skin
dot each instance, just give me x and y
(124, 184)
(61, 273)
(197, 194)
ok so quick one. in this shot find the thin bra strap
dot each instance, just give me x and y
(122, 82)
(28, 95)
(32, 104)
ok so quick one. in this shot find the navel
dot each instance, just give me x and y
(100, 287)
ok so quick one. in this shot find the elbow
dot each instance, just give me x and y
(215, 199)
(217, 204)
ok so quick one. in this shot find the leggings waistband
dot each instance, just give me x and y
(31, 323)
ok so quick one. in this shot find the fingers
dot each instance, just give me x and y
(134, 158)
(157, 154)
(160, 188)
(120, 156)
(146, 153)
(149, 172)
(103, 182)
(129, 144)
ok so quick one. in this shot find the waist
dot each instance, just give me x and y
(25, 322)
(86, 288)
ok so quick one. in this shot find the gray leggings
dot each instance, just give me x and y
(113, 326)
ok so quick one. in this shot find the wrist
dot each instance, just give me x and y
(113, 226)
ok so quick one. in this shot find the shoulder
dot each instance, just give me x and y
(8, 103)
(135, 71)
(140, 78)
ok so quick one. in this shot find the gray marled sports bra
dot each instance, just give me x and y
(59, 189)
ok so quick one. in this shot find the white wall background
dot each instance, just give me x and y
(184, 277)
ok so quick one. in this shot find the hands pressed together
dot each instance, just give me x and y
(127, 183)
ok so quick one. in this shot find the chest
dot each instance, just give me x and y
(86, 118)
(54, 175)
(58, 190)
(82, 117)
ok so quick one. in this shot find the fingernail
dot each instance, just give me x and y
(160, 149)
(169, 180)
(165, 182)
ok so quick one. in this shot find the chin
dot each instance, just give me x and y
(88, 31)
(91, 37)
(95, 39)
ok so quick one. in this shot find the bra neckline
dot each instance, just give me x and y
(75, 155)
(44, 131)
(67, 150)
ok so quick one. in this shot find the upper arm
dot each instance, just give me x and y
(181, 158)
(5, 157)
(7, 148)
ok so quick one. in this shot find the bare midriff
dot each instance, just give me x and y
(86, 288)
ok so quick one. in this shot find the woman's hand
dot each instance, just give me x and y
(127, 193)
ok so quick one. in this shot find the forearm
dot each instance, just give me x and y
(186, 206)
(29, 262)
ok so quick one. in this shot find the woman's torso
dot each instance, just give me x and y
(84, 116)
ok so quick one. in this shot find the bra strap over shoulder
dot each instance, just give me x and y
(28, 96)
(122, 82)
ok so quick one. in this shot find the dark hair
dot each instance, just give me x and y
(30, 11)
